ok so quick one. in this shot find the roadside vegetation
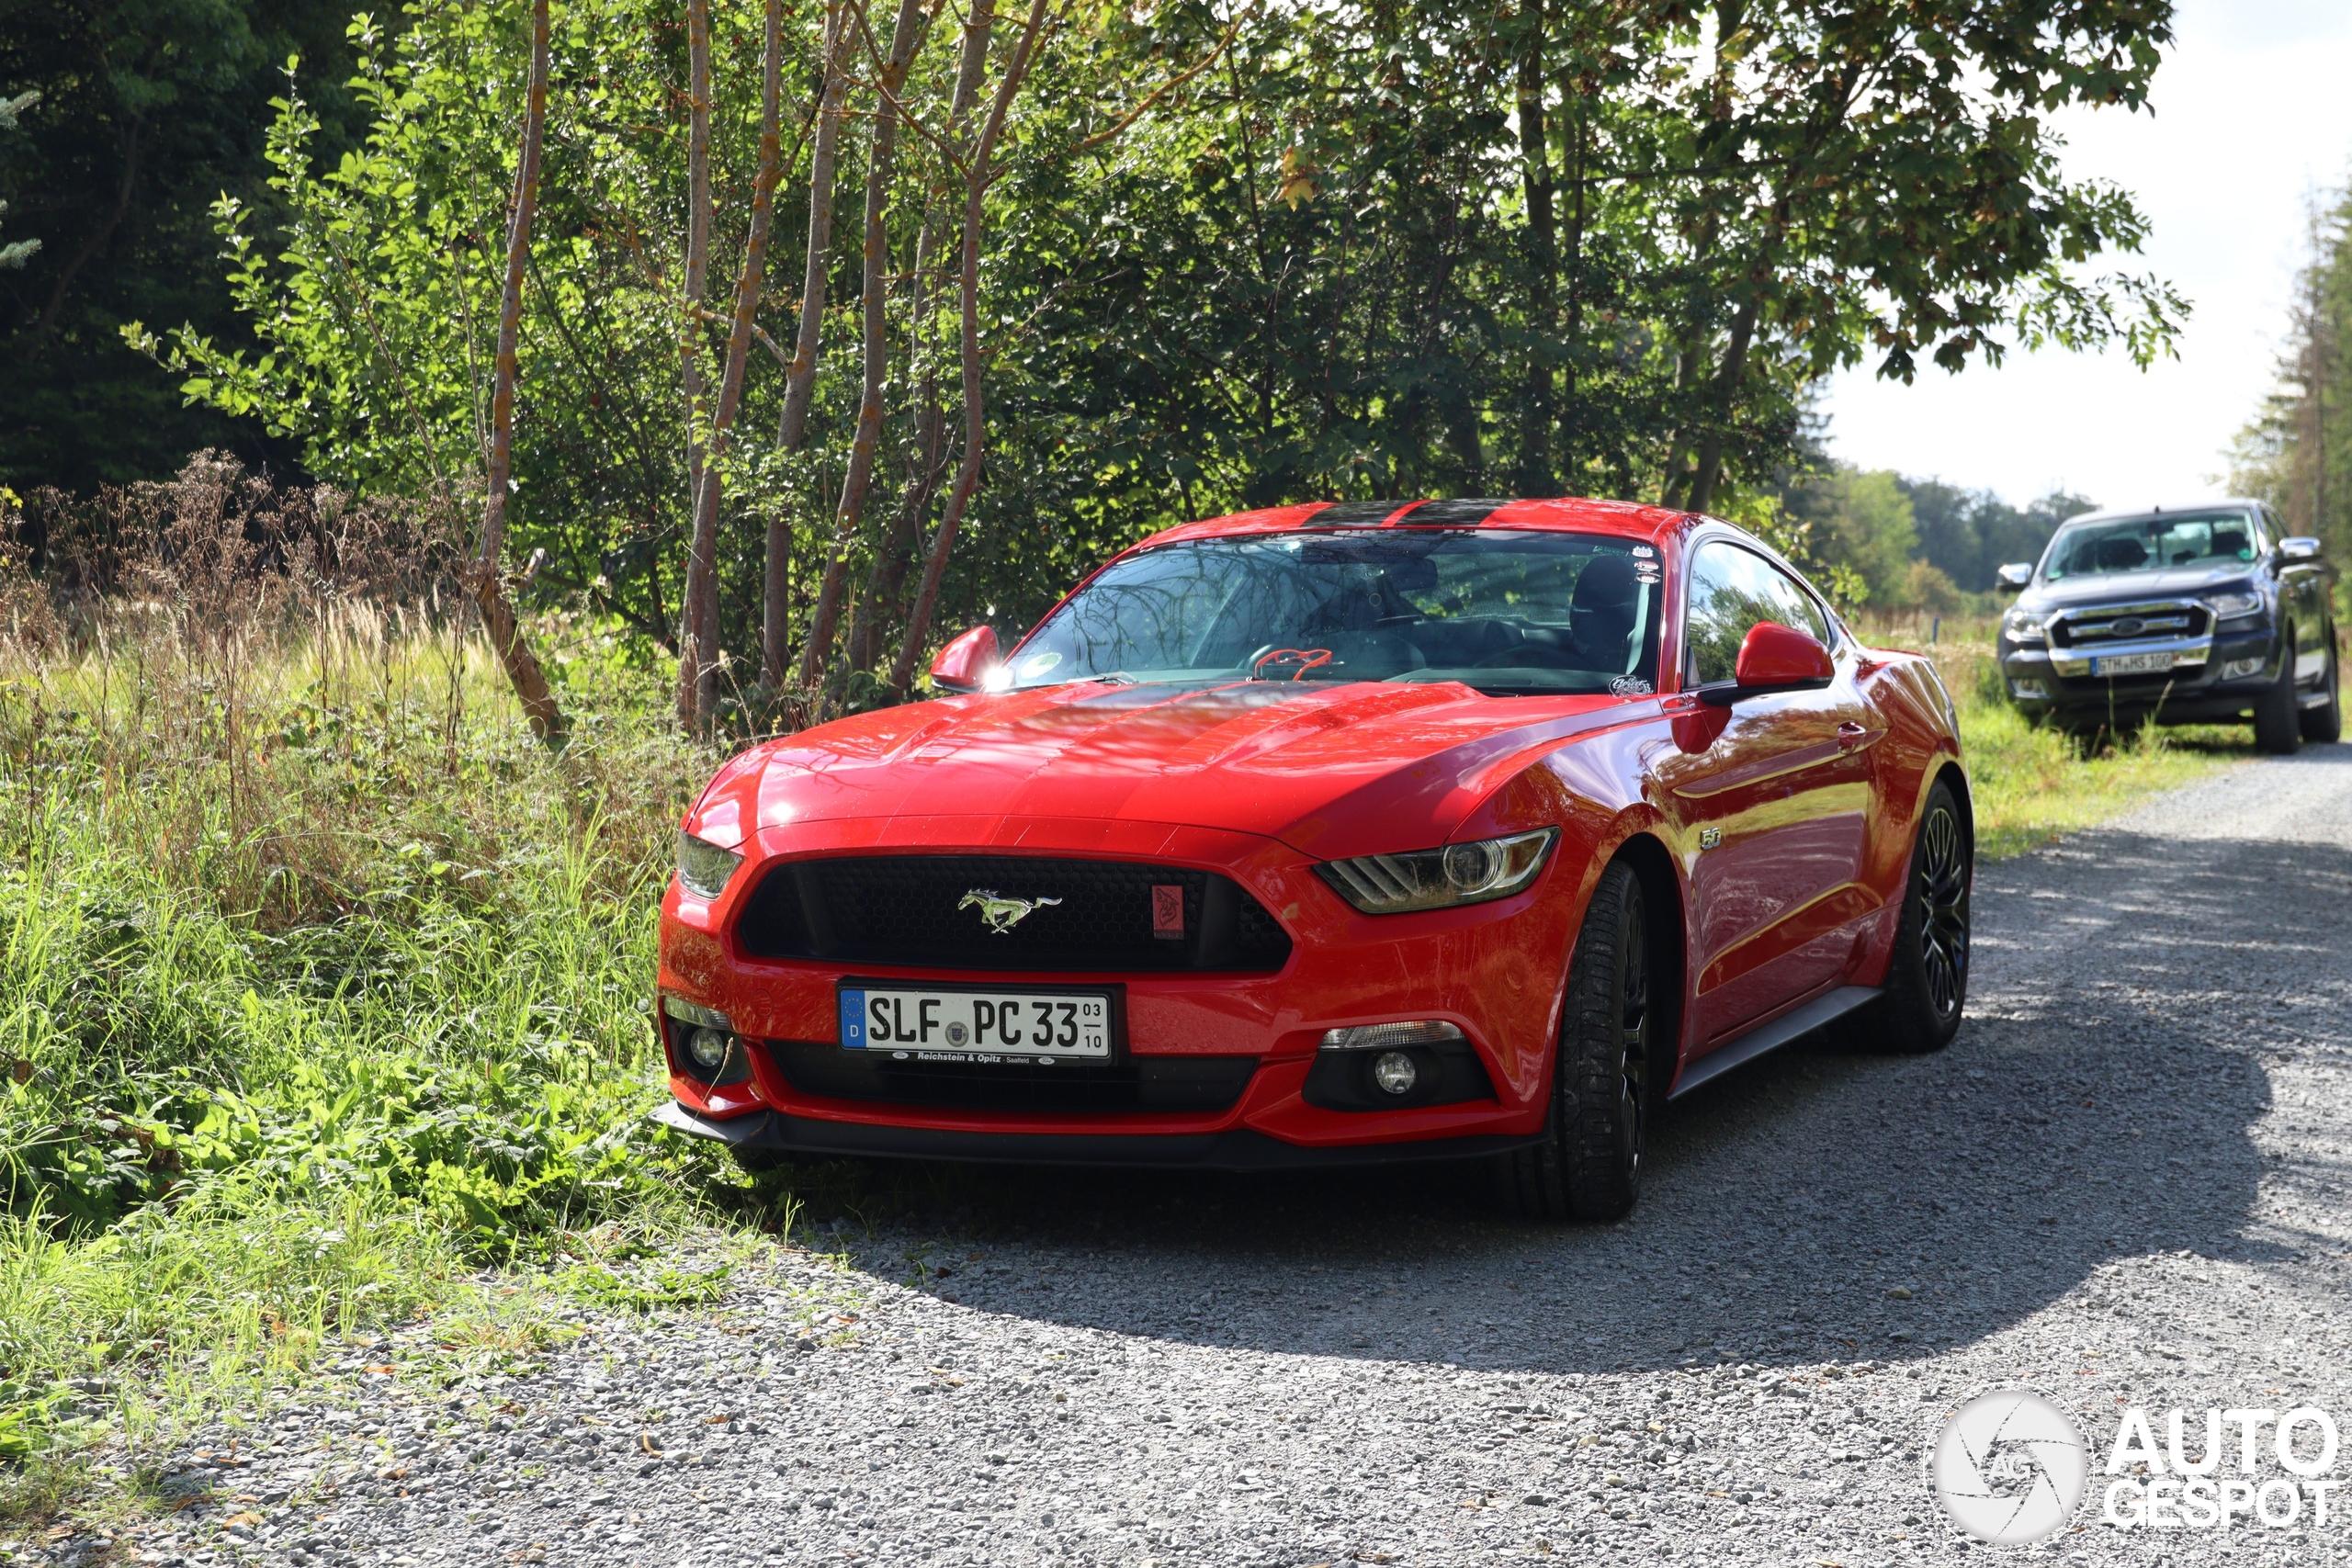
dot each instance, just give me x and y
(322, 990)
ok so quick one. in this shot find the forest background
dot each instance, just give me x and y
(1220, 256)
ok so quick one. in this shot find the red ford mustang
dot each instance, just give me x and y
(1331, 833)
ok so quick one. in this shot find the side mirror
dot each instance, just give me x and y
(1774, 658)
(2013, 576)
(963, 665)
(2300, 548)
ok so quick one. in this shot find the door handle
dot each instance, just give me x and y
(1850, 735)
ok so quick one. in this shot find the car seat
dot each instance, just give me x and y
(2120, 552)
(1604, 607)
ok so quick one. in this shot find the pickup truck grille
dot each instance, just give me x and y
(1111, 917)
(2104, 625)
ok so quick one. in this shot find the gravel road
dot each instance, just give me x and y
(2125, 1185)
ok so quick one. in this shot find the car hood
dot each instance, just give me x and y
(1330, 770)
(2125, 587)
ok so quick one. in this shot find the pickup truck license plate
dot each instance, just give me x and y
(2132, 664)
(934, 1023)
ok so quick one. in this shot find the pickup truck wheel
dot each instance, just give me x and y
(2278, 724)
(1588, 1164)
(1926, 980)
(2324, 725)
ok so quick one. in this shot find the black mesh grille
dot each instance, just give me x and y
(1167, 1085)
(911, 909)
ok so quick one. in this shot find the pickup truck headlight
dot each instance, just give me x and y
(703, 867)
(2225, 605)
(2021, 626)
(1440, 878)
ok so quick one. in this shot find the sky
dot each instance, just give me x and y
(2253, 115)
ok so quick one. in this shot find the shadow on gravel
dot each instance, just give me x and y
(1789, 1203)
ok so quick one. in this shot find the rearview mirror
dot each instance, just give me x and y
(1774, 658)
(2300, 548)
(963, 665)
(2013, 576)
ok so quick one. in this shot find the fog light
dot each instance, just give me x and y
(2237, 668)
(709, 1048)
(1395, 1073)
(1388, 1036)
(2034, 689)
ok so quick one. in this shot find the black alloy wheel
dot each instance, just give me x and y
(1927, 979)
(2278, 723)
(2324, 726)
(1588, 1163)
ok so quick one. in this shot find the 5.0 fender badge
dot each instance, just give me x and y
(1710, 837)
(1001, 915)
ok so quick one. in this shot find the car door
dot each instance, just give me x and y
(1770, 796)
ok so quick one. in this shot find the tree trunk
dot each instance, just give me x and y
(1535, 476)
(748, 286)
(904, 33)
(1576, 138)
(1710, 465)
(931, 419)
(968, 473)
(479, 574)
(697, 638)
(800, 376)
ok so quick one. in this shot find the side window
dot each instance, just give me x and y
(1731, 590)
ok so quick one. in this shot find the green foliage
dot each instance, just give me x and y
(148, 110)
(1365, 252)
(1969, 534)
(17, 253)
(1861, 522)
(2296, 452)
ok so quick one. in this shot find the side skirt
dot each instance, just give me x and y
(1771, 1036)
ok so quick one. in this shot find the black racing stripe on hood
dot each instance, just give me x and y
(1356, 513)
(1460, 514)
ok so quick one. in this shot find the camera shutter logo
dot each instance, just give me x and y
(2009, 1468)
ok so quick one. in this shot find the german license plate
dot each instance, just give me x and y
(2132, 664)
(937, 1024)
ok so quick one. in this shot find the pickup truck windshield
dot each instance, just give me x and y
(1506, 612)
(2151, 544)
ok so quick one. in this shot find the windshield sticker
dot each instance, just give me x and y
(1629, 686)
(1644, 551)
(1645, 572)
(1037, 664)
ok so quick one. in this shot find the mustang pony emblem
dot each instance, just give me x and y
(1001, 915)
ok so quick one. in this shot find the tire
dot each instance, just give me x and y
(2324, 726)
(1926, 980)
(1588, 1164)
(2278, 723)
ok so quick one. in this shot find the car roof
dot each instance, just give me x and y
(2192, 509)
(1626, 519)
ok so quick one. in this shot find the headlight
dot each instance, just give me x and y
(1439, 879)
(2224, 606)
(2022, 627)
(703, 867)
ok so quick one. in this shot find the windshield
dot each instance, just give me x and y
(1510, 613)
(2149, 543)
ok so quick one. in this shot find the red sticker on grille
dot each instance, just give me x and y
(1168, 912)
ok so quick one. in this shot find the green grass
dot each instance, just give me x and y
(2033, 786)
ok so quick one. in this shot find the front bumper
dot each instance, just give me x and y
(1494, 970)
(2211, 679)
(1233, 1149)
